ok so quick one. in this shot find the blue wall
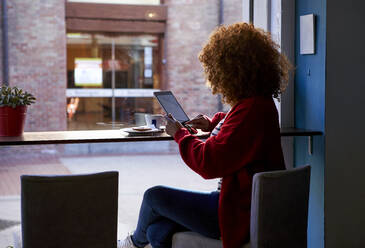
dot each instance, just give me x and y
(310, 114)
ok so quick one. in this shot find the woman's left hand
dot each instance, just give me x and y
(172, 125)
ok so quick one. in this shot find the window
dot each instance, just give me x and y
(122, 68)
(278, 17)
(111, 79)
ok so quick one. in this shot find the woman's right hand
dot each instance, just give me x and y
(200, 122)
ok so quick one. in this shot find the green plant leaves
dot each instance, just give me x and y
(13, 97)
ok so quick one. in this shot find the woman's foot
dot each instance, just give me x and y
(126, 243)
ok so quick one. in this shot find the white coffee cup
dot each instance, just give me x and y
(154, 120)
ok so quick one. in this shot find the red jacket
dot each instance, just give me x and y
(248, 142)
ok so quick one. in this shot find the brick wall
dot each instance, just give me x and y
(37, 59)
(232, 11)
(188, 27)
(1, 48)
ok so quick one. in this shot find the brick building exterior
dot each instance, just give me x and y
(37, 54)
(232, 11)
(188, 27)
(37, 59)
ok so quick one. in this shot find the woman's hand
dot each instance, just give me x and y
(172, 125)
(200, 122)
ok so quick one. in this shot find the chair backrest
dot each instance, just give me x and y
(70, 211)
(279, 208)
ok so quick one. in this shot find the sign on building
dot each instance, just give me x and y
(88, 72)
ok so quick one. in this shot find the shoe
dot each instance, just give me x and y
(126, 243)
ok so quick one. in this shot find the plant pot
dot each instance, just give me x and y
(12, 120)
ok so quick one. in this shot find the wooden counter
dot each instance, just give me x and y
(104, 136)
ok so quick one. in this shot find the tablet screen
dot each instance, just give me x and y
(171, 105)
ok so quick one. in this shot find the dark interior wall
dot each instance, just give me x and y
(345, 123)
(310, 114)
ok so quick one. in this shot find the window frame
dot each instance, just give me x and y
(287, 43)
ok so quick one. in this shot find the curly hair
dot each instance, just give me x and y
(242, 61)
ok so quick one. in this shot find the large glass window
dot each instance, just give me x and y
(111, 79)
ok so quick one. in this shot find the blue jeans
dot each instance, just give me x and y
(165, 211)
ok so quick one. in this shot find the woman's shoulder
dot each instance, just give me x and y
(255, 102)
(251, 115)
(253, 111)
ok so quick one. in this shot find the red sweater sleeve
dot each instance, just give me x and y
(215, 120)
(237, 144)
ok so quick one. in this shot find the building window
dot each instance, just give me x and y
(111, 79)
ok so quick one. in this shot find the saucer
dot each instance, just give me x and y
(133, 132)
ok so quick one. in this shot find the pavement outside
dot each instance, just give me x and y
(137, 172)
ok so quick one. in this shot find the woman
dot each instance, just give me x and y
(243, 65)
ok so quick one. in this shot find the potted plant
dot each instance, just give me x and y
(13, 108)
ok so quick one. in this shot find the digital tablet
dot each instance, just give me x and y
(171, 106)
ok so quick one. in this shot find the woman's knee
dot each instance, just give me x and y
(153, 193)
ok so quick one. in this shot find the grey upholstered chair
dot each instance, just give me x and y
(70, 211)
(279, 213)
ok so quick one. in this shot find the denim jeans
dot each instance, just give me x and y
(165, 211)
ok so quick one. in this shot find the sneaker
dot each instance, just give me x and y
(126, 243)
